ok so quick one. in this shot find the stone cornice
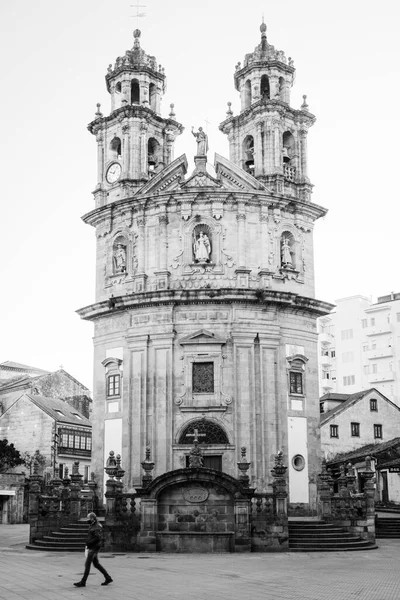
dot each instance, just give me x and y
(133, 110)
(270, 107)
(262, 64)
(174, 197)
(281, 300)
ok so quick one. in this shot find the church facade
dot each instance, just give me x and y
(205, 312)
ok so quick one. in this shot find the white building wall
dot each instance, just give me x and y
(359, 347)
(297, 445)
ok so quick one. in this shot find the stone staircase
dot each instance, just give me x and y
(318, 536)
(70, 538)
(387, 527)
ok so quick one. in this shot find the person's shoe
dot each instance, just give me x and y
(107, 581)
(80, 584)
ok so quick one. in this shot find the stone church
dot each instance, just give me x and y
(205, 311)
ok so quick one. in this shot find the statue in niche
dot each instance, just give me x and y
(120, 259)
(286, 254)
(202, 248)
(202, 141)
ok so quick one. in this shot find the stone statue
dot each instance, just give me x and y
(286, 254)
(202, 248)
(120, 259)
(202, 141)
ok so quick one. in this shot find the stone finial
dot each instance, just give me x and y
(98, 113)
(304, 106)
(172, 113)
(279, 469)
(147, 466)
(229, 112)
(243, 466)
(111, 465)
(136, 35)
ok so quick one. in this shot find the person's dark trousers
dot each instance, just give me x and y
(92, 558)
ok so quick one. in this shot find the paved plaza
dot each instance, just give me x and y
(30, 575)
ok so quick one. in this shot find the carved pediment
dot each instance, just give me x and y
(168, 179)
(202, 336)
(233, 177)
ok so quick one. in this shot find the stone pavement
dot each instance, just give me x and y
(30, 575)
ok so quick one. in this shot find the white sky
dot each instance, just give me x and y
(54, 56)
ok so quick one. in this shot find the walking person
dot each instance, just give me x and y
(94, 542)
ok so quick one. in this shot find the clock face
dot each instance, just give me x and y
(113, 172)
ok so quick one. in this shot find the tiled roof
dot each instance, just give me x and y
(57, 409)
(366, 450)
(9, 364)
(352, 399)
(334, 396)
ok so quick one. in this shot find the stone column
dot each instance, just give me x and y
(241, 221)
(125, 151)
(303, 153)
(277, 146)
(143, 167)
(140, 276)
(112, 91)
(76, 486)
(258, 158)
(100, 156)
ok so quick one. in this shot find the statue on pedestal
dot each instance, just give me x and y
(202, 141)
(120, 259)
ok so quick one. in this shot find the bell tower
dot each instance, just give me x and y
(134, 142)
(268, 139)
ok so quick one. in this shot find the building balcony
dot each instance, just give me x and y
(378, 329)
(325, 338)
(77, 452)
(380, 377)
(379, 353)
(325, 360)
(327, 385)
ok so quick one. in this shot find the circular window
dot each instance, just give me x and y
(298, 462)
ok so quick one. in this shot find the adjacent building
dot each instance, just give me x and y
(17, 378)
(359, 346)
(50, 425)
(366, 423)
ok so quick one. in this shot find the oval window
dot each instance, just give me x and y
(298, 462)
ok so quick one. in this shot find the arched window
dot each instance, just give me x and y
(152, 96)
(265, 91)
(115, 147)
(207, 433)
(153, 153)
(118, 88)
(288, 152)
(247, 94)
(135, 92)
(287, 248)
(248, 153)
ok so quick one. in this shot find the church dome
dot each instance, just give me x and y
(135, 59)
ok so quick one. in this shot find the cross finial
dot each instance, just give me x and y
(138, 14)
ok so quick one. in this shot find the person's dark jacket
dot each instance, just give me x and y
(94, 540)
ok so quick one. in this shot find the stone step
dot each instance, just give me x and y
(352, 548)
(53, 549)
(68, 534)
(47, 541)
(330, 536)
(63, 540)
